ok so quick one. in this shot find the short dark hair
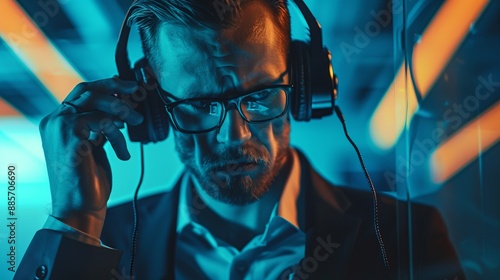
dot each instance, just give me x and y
(213, 14)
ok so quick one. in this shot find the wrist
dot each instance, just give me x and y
(88, 223)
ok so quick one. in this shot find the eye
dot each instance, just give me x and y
(261, 95)
(200, 104)
(255, 106)
(205, 107)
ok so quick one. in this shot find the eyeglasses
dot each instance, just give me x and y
(200, 115)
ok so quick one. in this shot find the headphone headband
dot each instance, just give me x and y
(121, 54)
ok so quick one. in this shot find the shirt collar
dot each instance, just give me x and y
(185, 211)
(287, 207)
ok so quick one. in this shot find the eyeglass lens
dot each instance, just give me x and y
(198, 115)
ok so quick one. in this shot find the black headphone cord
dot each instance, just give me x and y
(136, 217)
(374, 193)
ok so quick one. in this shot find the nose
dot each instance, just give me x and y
(234, 129)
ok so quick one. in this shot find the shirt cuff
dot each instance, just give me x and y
(71, 232)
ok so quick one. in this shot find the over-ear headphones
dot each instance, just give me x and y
(313, 96)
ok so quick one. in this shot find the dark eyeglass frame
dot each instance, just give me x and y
(287, 88)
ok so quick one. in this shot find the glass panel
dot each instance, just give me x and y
(450, 143)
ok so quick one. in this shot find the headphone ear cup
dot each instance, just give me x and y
(301, 80)
(155, 126)
(157, 119)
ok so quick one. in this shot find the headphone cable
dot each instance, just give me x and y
(136, 217)
(374, 193)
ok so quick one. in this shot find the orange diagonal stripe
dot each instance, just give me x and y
(465, 146)
(442, 38)
(437, 45)
(36, 51)
(7, 110)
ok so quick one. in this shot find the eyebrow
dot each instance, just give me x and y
(233, 93)
(227, 95)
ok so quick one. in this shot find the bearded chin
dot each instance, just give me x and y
(236, 189)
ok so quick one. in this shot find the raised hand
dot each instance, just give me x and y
(73, 137)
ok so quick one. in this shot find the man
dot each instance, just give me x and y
(247, 206)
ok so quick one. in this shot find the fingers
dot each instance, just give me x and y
(89, 126)
(111, 105)
(111, 96)
(95, 112)
(105, 86)
(119, 124)
(114, 84)
(117, 141)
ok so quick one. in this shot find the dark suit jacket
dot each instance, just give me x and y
(340, 244)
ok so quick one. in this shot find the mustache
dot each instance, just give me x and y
(232, 156)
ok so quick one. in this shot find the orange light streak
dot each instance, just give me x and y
(441, 39)
(389, 118)
(36, 51)
(6, 110)
(465, 146)
(437, 45)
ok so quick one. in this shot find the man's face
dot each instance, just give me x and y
(237, 162)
